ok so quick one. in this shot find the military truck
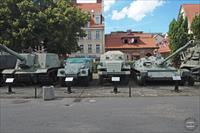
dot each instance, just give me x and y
(190, 61)
(7, 61)
(32, 67)
(158, 68)
(78, 68)
(113, 64)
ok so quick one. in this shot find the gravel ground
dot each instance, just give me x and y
(94, 90)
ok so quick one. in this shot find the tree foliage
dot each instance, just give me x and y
(195, 27)
(178, 35)
(27, 23)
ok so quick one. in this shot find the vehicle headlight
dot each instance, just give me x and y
(62, 72)
(82, 66)
(83, 72)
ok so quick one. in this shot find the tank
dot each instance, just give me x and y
(32, 67)
(159, 68)
(113, 64)
(190, 61)
(78, 68)
(7, 61)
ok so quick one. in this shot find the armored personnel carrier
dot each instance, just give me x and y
(158, 68)
(7, 61)
(78, 68)
(113, 64)
(32, 67)
(190, 61)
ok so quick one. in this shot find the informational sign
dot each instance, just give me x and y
(115, 79)
(69, 79)
(176, 77)
(9, 80)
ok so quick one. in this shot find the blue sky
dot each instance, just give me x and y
(141, 15)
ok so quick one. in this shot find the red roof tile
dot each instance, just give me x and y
(96, 7)
(191, 10)
(113, 41)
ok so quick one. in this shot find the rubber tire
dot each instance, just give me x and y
(190, 81)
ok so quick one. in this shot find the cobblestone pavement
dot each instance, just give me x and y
(95, 90)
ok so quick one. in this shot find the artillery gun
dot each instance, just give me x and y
(32, 67)
(78, 68)
(158, 68)
(190, 61)
(113, 64)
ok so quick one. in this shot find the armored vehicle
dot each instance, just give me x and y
(158, 68)
(191, 61)
(113, 64)
(7, 61)
(32, 67)
(78, 68)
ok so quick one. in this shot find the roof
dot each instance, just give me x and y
(113, 41)
(191, 10)
(90, 7)
(96, 7)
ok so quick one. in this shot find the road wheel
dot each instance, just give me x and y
(100, 80)
(62, 82)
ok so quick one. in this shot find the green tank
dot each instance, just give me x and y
(113, 64)
(158, 68)
(32, 67)
(190, 61)
(78, 68)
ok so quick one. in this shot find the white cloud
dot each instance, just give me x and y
(86, 1)
(108, 4)
(137, 10)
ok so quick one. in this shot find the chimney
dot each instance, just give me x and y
(99, 1)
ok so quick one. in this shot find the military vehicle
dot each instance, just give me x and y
(191, 61)
(32, 67)
(78, 68)
(7, 61)
(158, 68)
(113, 64)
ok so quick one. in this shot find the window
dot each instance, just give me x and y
(81, 48)
(89, 35)
(98, 48)
(97, 35)
(89, 48)
(97, 19)
(125, 40)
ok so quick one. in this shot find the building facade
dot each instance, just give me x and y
(189, 11)
(93, 44)
(134, 44)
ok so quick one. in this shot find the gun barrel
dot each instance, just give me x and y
(5, 49)
(178, 51)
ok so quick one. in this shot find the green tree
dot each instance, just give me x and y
(195, 27)
(56, 24)
(178, 35)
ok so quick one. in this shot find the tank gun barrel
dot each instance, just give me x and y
(5, 49)
(178, 51)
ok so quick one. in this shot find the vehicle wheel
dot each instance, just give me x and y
(190, 81)
(182, 82)
(86, 81)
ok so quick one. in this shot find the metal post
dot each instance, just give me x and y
(10, 89)
(69, 91)
(176, 89)
(35, 92)
(115, 90)
(129, 90)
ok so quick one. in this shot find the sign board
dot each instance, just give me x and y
(176, 77)
(9, 80)
(69, 79)
(115, 79)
